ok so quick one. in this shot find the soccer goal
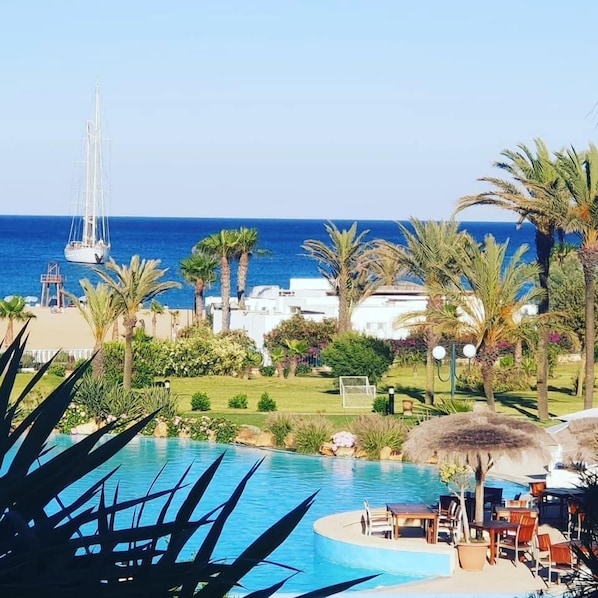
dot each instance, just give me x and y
(356, 392)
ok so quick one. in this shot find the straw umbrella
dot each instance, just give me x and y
(477, 439)
(579, 440)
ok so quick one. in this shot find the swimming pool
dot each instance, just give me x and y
(280, 483)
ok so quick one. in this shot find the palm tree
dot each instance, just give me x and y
(155, 308)
(487, 305)
(536, 193)
(99, 310)
(343, 264)
(296, 350)
(221, 246)
(432, 255)
(13, 310)
(199, 270)
(580, 174)
(135, 283)
(247, 239)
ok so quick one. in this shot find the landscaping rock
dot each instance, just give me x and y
(345, 451)
(161, 430)
(327, 449)
(85, 429)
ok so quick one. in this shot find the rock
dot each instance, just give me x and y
(327, 449)
(360, 454)
(161, 430)
(345, 451)
(265, 439)
(184, 434)
(85, 429)
(289, 442)
(385, 453)
(396, 456)
(247, 435)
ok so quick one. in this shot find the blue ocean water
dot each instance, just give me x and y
(29, 243)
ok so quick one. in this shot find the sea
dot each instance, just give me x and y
(30, 245)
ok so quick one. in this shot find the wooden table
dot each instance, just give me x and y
(494, 528)
(420, 511)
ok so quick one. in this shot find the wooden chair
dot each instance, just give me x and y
(536, 489)
(575, 519)
(521, 539)
(377, 521)
(447, 519)
(556, 558)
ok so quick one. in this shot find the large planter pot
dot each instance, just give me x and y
(472, 555)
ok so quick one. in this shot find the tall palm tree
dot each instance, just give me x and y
(156, 308)
(343, 264)
(199, 270)
(13, 310)
(536, 193)
(487, 304)
(580, 174)
(99, 310)
(133, 284)
(432, 255)
(247, 239)
(223, 247)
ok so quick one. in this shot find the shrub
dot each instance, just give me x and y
(199, 428)
(380, 404)
(503, 380)
(374, 432)
(268, 371)
(57, 369)
(280, 424)
(446, 406)
(303, 369)
(266, 403)
(353, 354)
(155, 397)
(238, 401)
(311, 432)
(200, 402)
(224, 430)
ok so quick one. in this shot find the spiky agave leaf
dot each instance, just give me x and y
(54, 549)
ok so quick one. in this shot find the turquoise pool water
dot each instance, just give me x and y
(281, 482)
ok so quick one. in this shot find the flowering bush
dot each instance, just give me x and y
(343, 439)
(74, 415)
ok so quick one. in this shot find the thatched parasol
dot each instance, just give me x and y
(579, 440)
(476, 439)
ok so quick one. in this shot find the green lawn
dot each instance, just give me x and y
(317, 394)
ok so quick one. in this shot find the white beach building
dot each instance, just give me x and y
(268, 305)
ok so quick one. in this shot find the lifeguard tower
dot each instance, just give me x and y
(52, 287)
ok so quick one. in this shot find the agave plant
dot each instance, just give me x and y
(76, 548)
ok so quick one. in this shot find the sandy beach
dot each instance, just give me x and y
(67, 329)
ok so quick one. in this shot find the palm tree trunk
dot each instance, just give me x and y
(199, 301)
(344, 317)
(10, 332)
(580, 374)
(292, 366)
(242, 278)
(488, 387)
(129, 325)
(430, 376)
(542, 375)
(589, 266)
(97, 365)
(544, 245)
(225, 289)
(154, 324)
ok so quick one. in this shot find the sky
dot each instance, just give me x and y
(327, 109)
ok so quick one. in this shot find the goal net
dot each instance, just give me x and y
(356, 392)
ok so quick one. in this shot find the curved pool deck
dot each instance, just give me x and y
(340, 538)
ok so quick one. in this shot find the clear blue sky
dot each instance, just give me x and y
(378, 109)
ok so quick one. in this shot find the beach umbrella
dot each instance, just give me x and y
(476, 439)
(578, 438)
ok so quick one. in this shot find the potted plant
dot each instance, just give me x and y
(471, 551)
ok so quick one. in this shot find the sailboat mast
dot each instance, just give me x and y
(97, 165)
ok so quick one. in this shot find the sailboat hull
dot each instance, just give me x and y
(86, 254)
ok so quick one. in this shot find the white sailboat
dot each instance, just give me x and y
(89, 237)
